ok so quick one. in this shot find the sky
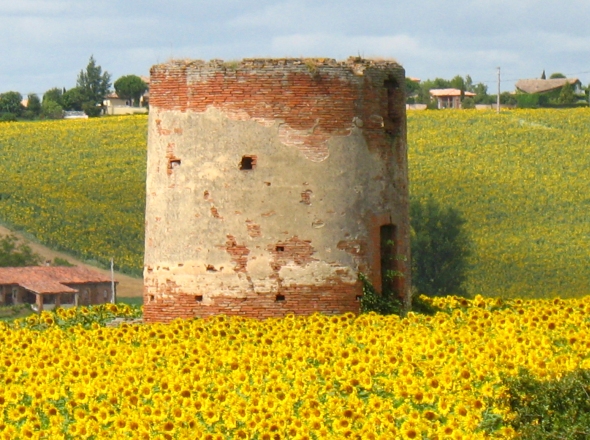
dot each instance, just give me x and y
(46, 43)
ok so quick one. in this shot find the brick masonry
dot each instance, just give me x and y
(269, 184)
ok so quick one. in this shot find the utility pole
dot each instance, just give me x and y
(113, 293)
(498, 98)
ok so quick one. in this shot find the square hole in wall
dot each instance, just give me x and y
(248, 163)
(173, 163)
(199, 298)
(280, 248)
(280, 297)
(151, 298)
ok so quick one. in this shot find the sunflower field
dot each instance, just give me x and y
(77, 185)
(66, 375)
(522, 180)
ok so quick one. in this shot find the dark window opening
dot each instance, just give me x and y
(388, 250)
(211, 268)
(280, 248)
(248, 163)
(198, 298)
(280, 297)
(151, 298)
(358, 297)
(173, 163)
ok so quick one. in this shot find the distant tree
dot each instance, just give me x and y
(94, 84)
(543, 76)
(458, 83)
(11, 102)
(73, 99)
(412, 88)
(33, 104)
(51, 109)
(440, 248)
(132, 87)
(55, 94)
(15, 254)
(557, 75)
(469, 87)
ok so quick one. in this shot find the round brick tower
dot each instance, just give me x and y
(271, 183)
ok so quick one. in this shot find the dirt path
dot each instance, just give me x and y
(128, 286)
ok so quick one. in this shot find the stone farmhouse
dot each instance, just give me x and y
(47, 287)
(271, 184)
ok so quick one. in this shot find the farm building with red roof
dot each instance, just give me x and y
(47, 287)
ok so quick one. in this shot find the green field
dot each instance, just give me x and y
(521, 179)
(77, 186)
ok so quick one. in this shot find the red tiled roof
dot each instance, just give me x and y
(49, 279)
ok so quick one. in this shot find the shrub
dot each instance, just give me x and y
(554, 409)
(14, 254)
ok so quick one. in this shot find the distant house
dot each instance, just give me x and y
(118, 106)
(449, 98)
(533, 86)
(47, 287)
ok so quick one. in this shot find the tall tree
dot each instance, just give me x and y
(557, 75)
(543, 76)
(94, 84)
(130, 87)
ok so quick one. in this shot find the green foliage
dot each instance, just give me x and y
(566, 96)
(468, 103)
(551, 409)
(15, 254)
(51, 110)
(389, 303)
(55, 95)
(57, 261)
(91, 109)
(130, 87)
(73, 99)
(386, 303)
(556, 75)
(15, 311)
(7, 117)
(94, 83)
(10, 102)
(34, 104)
(440, 249)
(524, 100)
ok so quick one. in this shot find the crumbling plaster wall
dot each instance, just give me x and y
(327, 144)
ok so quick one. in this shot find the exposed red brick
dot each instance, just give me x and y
(253, 229)
(332, 298)
(353, 247)
(239, 253)
(293, 250)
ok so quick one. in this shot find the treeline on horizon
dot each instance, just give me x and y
(92, 87)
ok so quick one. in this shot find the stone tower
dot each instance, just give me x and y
(271, 183)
